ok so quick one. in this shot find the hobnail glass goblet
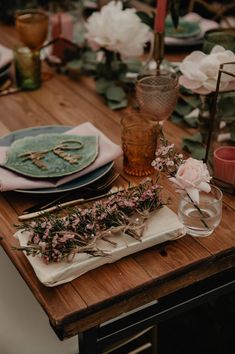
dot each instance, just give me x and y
(158, 94)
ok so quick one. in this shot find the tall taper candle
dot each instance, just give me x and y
(159, 24)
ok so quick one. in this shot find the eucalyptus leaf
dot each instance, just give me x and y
(177, 118)
(233, 137)
(183, 108)
(102, 85)
(196, 149)
(232, 128)
(115, 93)
(74, 65)
(89, 61)
(196, 138)
(232, 131)
(193, 101)
(134, 66)
(117, 105)
(145, 18)
(226, 105)
(191, 121)
(90, 56)
(174, 11)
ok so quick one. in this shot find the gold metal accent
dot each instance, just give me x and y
(158, 48)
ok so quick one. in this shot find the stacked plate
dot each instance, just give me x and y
(190, 31)
(55, 164)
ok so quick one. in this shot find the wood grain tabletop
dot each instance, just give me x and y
(112, 289)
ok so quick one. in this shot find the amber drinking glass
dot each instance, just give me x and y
(158, 94)
(139, 141)
(32, 26)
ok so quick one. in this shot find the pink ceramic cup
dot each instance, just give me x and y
(224, 164)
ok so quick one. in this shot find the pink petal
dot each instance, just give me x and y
(194, 194)
(205, 187)
(190, 84)
(174, 180)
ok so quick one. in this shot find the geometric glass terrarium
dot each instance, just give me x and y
(220, 147)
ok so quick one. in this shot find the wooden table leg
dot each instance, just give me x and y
(88, 342)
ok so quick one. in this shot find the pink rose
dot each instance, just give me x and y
(193, 176)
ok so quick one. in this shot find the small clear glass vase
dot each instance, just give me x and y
(201, 220)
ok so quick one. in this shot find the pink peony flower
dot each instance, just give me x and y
(193, 176)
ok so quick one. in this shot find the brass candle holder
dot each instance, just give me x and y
(158, 48)
(156, 56)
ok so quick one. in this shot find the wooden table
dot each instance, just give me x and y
(193, 268)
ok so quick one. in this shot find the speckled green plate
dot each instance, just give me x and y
(53, 165)
(185, 29)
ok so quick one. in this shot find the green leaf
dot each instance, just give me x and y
(196, 149)
(194, 145)
(115, 93)
(232, 128)
(133, 66)
(226, 105)
(183, 108)
(89, 61)
(102, 85)
(117, 105)
(176, 118)
(191, 121)
(193, 101)
(145, 18)
(89, 55)
(196, 138)
(174, 11)
(74, 65)
(232, 131)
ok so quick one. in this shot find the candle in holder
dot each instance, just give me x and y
(61, 27)
(159, 25)
(224, 164)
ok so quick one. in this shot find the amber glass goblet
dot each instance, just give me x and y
(32, 26)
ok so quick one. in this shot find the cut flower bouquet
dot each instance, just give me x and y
(116, 34)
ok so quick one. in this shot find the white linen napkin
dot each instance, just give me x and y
(108, 151)
(163, 225)
(6, 56)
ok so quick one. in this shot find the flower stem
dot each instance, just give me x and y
(200, 212)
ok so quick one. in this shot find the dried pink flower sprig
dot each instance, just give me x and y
(55, 238)
(167, 158)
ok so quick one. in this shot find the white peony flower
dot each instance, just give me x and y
(200, 71)
(117, 30)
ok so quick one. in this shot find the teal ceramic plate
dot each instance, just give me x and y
(72, 185)
(51, 155)
(185, 29)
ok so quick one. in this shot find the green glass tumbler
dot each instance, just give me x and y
(223, 36)
(27, 68)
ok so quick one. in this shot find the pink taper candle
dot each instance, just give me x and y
(160, 16)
